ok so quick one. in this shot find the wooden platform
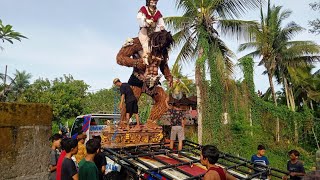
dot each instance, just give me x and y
(114, 137)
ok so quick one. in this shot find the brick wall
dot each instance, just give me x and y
(24, 140)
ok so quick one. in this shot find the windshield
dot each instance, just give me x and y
(77, 126)
(101, 121)
(95, 120)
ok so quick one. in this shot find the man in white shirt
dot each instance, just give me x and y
(150, 20)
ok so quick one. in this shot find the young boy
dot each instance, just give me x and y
(209, 157)
(68, 168)
(100, 159)
(294, 166)
(259, 158)
(87, 168)
(54, 155)
(128, 97)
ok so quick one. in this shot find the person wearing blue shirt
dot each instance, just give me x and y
(260, 158)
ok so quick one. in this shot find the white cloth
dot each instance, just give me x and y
(142, 21)
(143, 35)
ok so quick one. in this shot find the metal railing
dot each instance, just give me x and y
(130, 159)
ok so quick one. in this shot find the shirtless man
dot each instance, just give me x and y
(209, 157)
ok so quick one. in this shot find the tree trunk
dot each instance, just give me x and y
(272, 89)
(251, 123)
(291, 99)
(291, 106)
(314, 134)
(276, 104)
(286, 92)
(199, 98)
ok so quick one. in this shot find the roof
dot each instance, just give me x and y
(189, 101)
(101, 115)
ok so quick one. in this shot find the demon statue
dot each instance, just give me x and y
(147, 54)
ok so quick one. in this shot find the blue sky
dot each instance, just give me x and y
(82, 38)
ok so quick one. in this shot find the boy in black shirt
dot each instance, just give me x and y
(68, 168)
(100, 159)
(128, 97)
(294, 166)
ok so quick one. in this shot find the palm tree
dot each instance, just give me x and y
(8, 34)
(181, 83)
(306, 85)
(197, 32)
(273, 44)
(16, 86)
(4, 87)
(22, 81)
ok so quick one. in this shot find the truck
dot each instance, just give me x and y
(155, 160)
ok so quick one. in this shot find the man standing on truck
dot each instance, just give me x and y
(177, 125)
(128, 97)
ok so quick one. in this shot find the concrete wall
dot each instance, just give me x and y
(24, 140)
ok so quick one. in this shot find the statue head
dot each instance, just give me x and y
(152, 3)
(160, 43)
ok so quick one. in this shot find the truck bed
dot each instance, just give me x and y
(158, 161)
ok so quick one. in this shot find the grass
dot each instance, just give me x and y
(246, 146)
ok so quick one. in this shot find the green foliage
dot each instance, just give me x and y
(145, 104)
(263, 118)
(8, 34)
(241, 137)
(64, 122)
(65, 94)
(13, 87)
(181, 83)
(198, 31)
(315, 24)
(101, 101)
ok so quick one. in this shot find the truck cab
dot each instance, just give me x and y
(93, 124)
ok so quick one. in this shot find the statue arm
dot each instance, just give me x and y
(160, 24)
(124, 56)
(142, 20)
(164, 68)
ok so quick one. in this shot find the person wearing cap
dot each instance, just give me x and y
(127, 97)
(150, 20)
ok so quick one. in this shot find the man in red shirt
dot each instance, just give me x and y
(60, 160)
(209, 157)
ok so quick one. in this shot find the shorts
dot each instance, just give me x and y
(177, 130)
(132, 107)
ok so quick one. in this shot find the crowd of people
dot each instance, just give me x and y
(71, 159)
